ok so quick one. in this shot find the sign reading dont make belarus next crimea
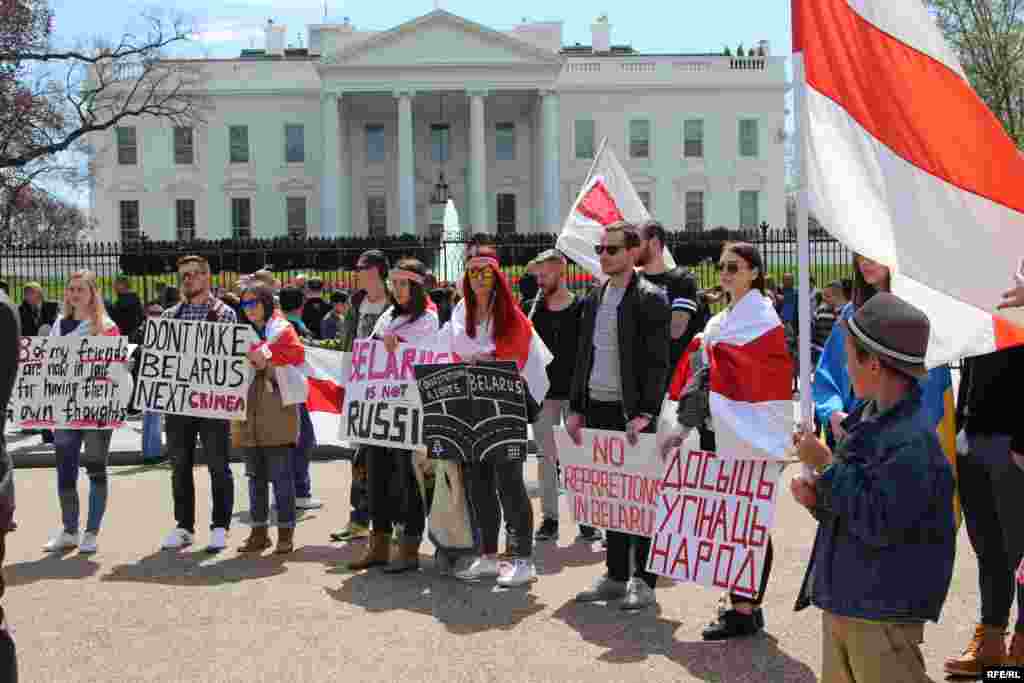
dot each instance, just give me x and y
(194, 368)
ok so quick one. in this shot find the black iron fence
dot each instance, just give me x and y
(152, 265)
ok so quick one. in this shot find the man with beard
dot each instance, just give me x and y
(9, 333)
(679, 285)
(315, 308)
(556, 317)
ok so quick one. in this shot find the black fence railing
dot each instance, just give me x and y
(152, 265)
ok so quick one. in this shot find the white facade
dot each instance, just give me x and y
(519, 96)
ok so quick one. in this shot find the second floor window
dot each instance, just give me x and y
(585, 139)
(748, 138)
(640, 139)
(294, 143)
(184, 149)
(376, 148)
(693, 139)
(127, 146)
(439, 143)
(505, 142)
(239, 139)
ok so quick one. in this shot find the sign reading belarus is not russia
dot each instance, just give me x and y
(194, 368)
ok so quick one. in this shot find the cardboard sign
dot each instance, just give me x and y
(382, 406)
(612, 485)
(714, 515)
(194, 368)
(473, 412)
(71, 383)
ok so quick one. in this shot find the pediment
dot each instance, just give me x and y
(127, 185)
(693, 182)
(296, 185)
(240, 185)
(184, 186)
(441, 38)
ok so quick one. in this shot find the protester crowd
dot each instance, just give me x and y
(882, 476)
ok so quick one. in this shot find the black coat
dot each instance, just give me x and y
(9, 334)
(31, 322)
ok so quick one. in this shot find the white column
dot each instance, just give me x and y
(406, 165)
(330, 173)
(345, 227)
(478, 215)
(551, 159)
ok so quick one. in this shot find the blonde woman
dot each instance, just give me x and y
(83, 315)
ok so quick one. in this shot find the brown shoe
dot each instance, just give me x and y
(987, 648)
(377, 552)
(407, 558)
(1015, 657)
(285, 541)
(258, 541)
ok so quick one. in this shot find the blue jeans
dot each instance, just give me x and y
(68, 444)
(152, 444)
(301, 454)
(265, 465)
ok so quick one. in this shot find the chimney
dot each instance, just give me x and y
(601, 34)
(764, 47)
(275, 38)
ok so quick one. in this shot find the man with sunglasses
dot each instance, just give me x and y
(622, 371)
(199, 304)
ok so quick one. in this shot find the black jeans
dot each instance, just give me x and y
(182, 431)
(359, 490)
(490, 482)
(990, 492)
(8, 658)
(394, 493)
(621, 546)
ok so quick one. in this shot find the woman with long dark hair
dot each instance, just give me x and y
(409, 319)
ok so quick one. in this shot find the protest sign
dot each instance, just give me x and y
(71, 383)
(382, 406)
(612, 485)
(194, 368)
(473, 412)
(714, 515)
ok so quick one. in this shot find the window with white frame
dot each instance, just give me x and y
(640, 139)
(693, 139)
(505, 141)
(127, 145)
(184, 147)
(506, 213)
(377, 215)
(239, 140)
(294, 143)
(241, 218)
(439, 136)
(376, 144)
(185, 219)
(694, 211)
(585, 132)
(749, 215)
(129, 214)
(296, 209)
(748, 138)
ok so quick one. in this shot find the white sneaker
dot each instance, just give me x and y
(179, 538)
(62, 540)
(519, 572)
(89, 544)
(482, 567)
(308, 504)
(218, 540)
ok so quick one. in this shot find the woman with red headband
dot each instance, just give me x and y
(489, 325)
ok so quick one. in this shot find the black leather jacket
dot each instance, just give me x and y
(644, 323)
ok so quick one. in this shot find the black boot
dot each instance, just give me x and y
(733, 624)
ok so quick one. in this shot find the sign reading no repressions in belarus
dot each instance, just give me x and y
(71, 383)
(714, 515)
(613, 485)
(382, 405)
(194, 368)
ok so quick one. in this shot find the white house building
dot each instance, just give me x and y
(357, 133)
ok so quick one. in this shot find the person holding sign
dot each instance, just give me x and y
(622, 368)
(271, 426)
(408, 320)
(489, 325)
(884, 505)
(84, 314)
(9, 336)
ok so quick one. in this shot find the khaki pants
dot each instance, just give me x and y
(863, 651)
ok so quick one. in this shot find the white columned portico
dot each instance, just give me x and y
(551, 144)
(330, 175)
(477, 162)
(406, 165)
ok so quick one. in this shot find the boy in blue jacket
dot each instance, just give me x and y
(883, 555)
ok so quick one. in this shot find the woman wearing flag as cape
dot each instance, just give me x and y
(489, 325)
(738, 394)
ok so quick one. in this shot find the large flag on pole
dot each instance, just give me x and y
(906, 165)
(607, 196)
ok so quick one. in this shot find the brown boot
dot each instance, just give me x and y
(987, 648)
(407, 558)
(285, 541)
(1015, 657)
(377, 552)
(258, 541)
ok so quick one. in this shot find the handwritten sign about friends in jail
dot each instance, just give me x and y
(71, 383)
(194, 368)
(612, 485)
(714, 516)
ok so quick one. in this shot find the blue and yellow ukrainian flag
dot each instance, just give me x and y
(941, 407)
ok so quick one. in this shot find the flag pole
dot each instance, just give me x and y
(593, 164)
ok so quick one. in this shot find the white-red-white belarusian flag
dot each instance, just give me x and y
(327, 371)
(607, 196)
(751, 381)
(906, 165)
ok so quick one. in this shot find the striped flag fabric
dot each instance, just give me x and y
(751, 381)
(326, 371)
(906, 165)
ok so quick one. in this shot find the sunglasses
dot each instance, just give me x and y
(249, 303)
(731, 267)
(479, 273)
(611, 249)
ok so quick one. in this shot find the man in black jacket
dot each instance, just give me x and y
(9, 334)
(315, 308)
(622, 367)
(36, 314)
(127, 310)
